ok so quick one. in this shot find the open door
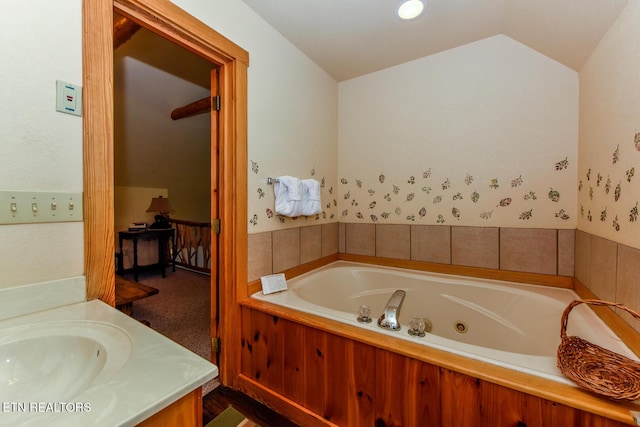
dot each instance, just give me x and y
(215, 221)
(230, 191)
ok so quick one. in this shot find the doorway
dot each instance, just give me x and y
(158, 153)
(172, 23)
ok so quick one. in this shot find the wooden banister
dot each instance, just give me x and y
(193, 245)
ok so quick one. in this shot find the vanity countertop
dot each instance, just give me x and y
(157, 373)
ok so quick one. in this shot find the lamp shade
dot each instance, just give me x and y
(160, 204)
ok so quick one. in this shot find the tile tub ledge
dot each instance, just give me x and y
(158, 372)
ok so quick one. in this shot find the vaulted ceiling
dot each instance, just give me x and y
(349, 38)
(145, 46)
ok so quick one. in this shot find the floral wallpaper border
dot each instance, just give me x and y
(419, 196)
(613, 189)
(424, 198)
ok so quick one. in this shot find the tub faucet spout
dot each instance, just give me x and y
(389, 317)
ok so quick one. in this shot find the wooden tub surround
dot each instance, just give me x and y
(321, 372)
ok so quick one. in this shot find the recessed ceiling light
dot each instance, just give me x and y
(410, 9)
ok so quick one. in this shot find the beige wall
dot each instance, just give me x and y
(512, 122)
(41, 149)
(608, 236)
(293, 120)
(609, 165)
(479, 135)
(151, 149)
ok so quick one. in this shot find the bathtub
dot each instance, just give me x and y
(507, 324)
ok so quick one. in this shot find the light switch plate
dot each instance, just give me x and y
(23, 207)
(68, 98)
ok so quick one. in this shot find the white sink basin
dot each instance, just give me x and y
(88, 364)
(55, 361)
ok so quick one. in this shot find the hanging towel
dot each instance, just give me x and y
(311, 204)
(288, 191)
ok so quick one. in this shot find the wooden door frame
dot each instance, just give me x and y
(214, 80)
(174, 24)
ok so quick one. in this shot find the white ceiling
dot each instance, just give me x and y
(349, 38)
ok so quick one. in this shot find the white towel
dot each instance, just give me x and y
(288, 191)
(311, 204)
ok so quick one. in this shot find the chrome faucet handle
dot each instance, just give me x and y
(417, 327)
(364, 314)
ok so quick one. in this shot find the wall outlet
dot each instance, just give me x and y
(23, 207)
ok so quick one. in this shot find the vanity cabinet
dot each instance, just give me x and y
(332, 380)
(186, 411)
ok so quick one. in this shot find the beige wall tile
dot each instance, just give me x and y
(310, 243)
(260, 255)
(431, 243)
(475, 246)
(360, 239)
(628, 284)
(583, 258)
(529, 249)
(393, 241)
(604, 254)
(566, 252)
(286, 249)
(329, 239)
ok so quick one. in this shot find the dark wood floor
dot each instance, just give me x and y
(217, 400)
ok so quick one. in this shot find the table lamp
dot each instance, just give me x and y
(163, 207)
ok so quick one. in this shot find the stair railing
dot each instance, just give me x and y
(193, 245)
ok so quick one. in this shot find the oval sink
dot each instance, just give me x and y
(56, 361)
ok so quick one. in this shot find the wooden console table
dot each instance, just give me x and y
(162, 235)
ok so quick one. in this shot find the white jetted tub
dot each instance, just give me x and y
(507, 324)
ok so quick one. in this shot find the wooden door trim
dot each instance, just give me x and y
(214, 320)
(171, 22)
(97, 143)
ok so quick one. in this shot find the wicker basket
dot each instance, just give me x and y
(595, 368)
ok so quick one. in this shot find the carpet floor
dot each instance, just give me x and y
(181, 311)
